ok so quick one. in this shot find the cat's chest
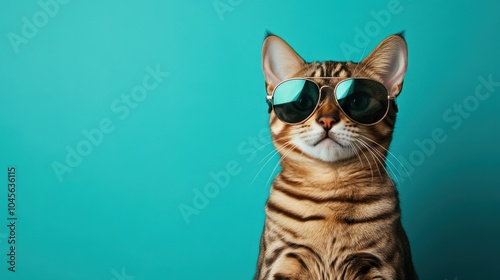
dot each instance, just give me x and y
(331, 221)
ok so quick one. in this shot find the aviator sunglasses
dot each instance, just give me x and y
(362, 100)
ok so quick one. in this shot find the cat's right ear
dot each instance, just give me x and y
(279, 61)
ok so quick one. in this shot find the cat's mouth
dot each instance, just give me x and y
(327, 138)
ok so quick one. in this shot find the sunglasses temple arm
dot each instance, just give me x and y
(395, 105)
(270, 106)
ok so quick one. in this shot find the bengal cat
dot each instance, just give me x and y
(333, 211)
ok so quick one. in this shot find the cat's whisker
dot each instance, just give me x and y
(362, 68)
(379, 154)
(372, 141)
(262, 167)
(267, 155)
(278, 149)
(261, 147)
(281, 138)
(360, 58)
(367, 160)
(371, 153)
(388, 168)
(351, 145)
(275, 153)
(391, 154)
(379, 157)
(368, 148)
(277, 164)
(395, 176)
(381, 160)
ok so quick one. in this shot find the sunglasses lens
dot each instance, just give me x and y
(364, 101)
(295, 100)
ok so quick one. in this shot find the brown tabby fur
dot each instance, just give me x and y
(334, 220)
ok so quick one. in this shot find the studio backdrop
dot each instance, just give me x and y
(135, 141)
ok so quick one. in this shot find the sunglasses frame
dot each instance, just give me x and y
(269, 98)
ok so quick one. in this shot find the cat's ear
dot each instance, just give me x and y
(279, 61)
(389, 61)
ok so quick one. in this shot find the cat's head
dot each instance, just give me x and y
(328, 134)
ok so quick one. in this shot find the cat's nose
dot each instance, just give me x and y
(327, 122)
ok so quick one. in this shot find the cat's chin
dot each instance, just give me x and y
(327, 150)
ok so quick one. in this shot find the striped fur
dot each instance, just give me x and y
(333, 212)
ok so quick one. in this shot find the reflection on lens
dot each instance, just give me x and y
(295, 100)
(362, 100)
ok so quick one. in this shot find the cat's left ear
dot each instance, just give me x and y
(389, 61)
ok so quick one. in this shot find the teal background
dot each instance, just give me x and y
(116, 215)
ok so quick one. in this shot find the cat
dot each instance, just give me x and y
(333, 211)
